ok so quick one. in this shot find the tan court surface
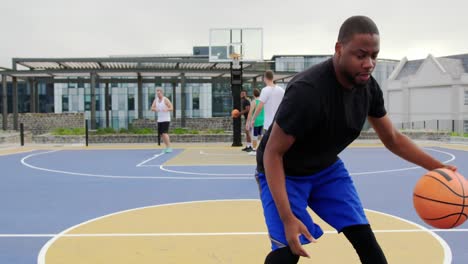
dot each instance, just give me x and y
(221, 232)
(218, 232)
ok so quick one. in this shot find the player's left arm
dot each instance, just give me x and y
(246, 109)
(403, 146)
(168, 104)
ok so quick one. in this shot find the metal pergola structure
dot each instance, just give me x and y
(167, 69)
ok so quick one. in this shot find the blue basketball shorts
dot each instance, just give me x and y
(257, 131)
(330, 193)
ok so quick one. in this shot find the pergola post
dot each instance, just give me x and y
(174, 100)
(15, 103)
(107, 104)
(4, 102)
(183, 105)
(140, 96)
(32, 96)
(93, 100)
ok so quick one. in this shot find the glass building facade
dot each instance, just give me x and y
(45, 93)
(204, 97)
(299, 63)
(123, 97)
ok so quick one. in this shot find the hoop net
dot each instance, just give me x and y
(235, 57)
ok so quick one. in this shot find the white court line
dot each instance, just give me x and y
(443, 243)
(205, 176)
(211, 233)
(150, 159)
(23, 161)
(223, 154)
(452, 158)
(202, 165)
(161, 167)
(45, 248)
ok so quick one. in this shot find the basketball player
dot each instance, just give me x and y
(257, 123)
(270, 98)
(245, 109)
(163, 106)
(322, 112)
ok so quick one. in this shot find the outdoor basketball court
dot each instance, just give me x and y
(199, 204)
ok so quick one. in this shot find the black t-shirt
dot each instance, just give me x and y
(244, 103)
(324, 118)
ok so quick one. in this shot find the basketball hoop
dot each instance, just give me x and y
(235, 57)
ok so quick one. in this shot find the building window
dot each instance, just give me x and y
(196, 98)
(65, 107)
(221, 99)
(131, 102)
(80, 82)
(466, 97)
(88, 102)
(98, 103)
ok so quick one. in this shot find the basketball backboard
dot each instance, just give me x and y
(246, 43)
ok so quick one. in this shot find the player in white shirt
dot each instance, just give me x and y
(270, 98)
(163, 106)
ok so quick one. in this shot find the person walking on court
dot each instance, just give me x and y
(323, 111)
(245, 108)
(270, 98)
(257, 130)
(163, 106)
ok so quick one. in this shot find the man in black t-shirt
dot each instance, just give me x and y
(245, 108)
(322, 112)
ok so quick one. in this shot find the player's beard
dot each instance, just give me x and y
(354, 79)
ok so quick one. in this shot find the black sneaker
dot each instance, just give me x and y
(249, 149)
(245, 149)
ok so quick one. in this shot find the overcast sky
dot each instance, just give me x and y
(99, 28)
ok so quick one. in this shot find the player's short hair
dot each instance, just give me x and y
(269, 75)
(256, 92)
(160, 89)
(356, 25)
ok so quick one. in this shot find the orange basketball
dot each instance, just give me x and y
(441, 198)
(235, 113)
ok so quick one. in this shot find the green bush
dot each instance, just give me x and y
(455, 134)
(68, 131)
(215, 131)
(143, 131)
(132, 130)
(123, 131)
(105, 130)
(180, 131)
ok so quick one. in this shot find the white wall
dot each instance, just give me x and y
(395, 105)
(430, 103)
(429, 95)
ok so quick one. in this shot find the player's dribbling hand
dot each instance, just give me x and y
(450, 167)
(293, 229)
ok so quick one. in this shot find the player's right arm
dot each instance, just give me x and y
(277, 145)
(249, 116)
(264, 95)
(153, 106)
(258, 110)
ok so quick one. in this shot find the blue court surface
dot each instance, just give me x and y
(47, 191)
